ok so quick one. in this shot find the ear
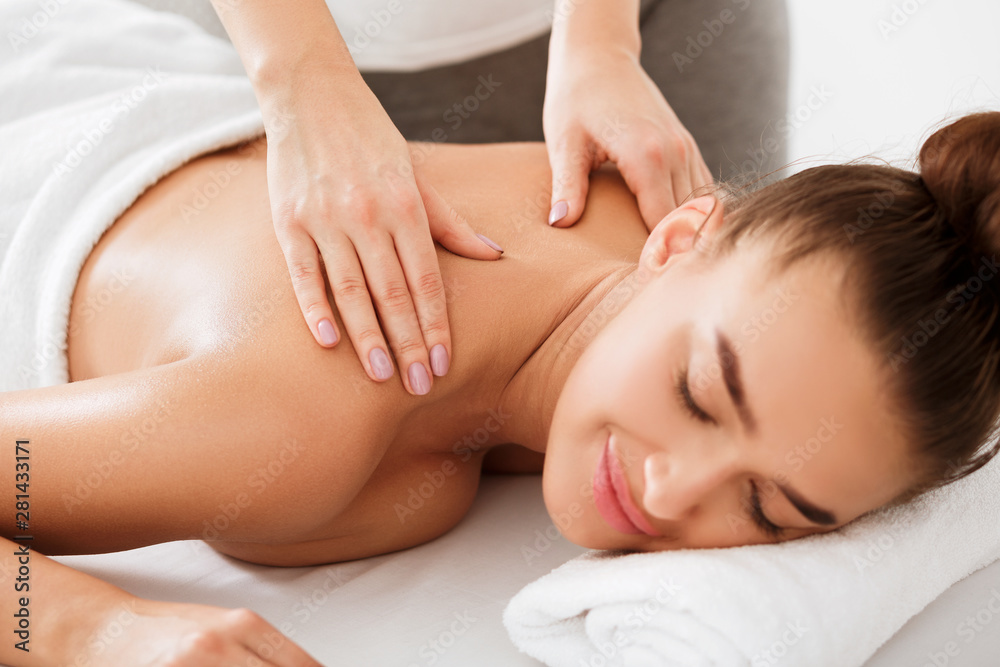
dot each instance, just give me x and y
(675, 234)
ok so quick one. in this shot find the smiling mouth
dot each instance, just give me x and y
(612, 498)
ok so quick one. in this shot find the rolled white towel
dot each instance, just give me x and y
(829, 599)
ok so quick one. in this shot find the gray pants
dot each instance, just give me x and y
(722, 65)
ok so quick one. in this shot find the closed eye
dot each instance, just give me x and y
(757, 514)
(683, 391)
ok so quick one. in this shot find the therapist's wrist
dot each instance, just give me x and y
(604, 27)
(307, 88)
(288, 73)
(589, 67)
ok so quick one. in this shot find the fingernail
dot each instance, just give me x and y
(558, 211)
(419, 381)
(489, 243)
(326, 332)
(439, 360)
(380, 363)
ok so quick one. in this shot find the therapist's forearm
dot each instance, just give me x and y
(278, 40)
(594, 27)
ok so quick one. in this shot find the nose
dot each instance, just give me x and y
(676, 485)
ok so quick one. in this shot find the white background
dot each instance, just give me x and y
(889, 90)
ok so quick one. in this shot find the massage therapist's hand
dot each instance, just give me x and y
(342, 187)
(147, 633)
(599, 107)
(342, 190)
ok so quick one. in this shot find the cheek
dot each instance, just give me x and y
(620, 382)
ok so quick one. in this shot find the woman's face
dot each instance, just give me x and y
(784, 394)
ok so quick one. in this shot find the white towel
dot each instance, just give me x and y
(829, 599)
(99, 99)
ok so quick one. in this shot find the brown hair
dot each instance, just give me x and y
(923, 286)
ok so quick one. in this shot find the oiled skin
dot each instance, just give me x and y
(198, 385)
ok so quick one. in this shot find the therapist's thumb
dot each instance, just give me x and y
(452, 231)
(570, 180)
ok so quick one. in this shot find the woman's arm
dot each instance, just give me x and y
(46, 606)
(342, 187)
(54, 615)
(601, 105)
(149, 456)
(122, 461)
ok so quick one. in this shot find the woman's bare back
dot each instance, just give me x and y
(192, 277)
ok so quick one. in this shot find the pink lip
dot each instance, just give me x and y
(612, 498)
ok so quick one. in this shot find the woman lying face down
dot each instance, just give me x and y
(782, 351)
(829, 346)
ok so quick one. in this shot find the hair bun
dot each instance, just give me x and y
(960, 167)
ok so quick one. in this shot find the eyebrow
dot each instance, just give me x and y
(734, 380)
(734, 386)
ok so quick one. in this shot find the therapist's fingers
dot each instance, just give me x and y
(571, 157)
(698, 172)
(703, 176)
(350, 291)
(308, 282)
(384, 264)
(263, 645)
(266, 647)
(654, 191)
(419, 262)
(451, 230)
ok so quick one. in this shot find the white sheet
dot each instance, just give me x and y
(388, 610)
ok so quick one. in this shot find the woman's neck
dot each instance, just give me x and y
(534, 390)
(512, 392)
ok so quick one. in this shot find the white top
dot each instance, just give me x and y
(407, 35)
